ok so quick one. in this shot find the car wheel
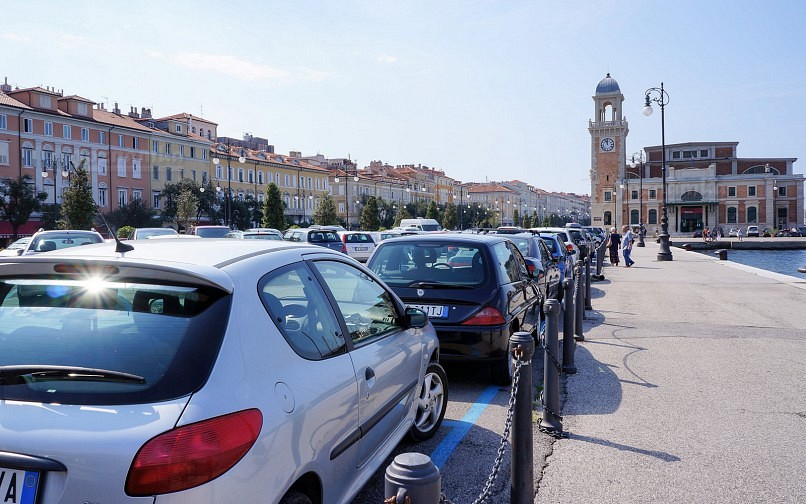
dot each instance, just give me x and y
(294, 497)
(501, 371)
(431, 403)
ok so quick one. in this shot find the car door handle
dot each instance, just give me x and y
(369, 374)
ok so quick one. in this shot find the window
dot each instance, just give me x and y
(703, 153)
(689, 154)
(101, 166)
(676, 155)
(178, 128)
(731, 192)
(633, 194)
(102, 137)
(204, 154)
(240, 174)
(3, 153)
(155, 172)
(82, 108)
(102, 196)
(287, 181)
(310, 183)
(3, 121)
(781, 190)
(260, 177)
(66, 131)
(48, 128)
(168, 174)
(193, 152)
(136, 168)
(751, 190)
(653, 194)
(27, 157)
(365, 304)
(155, 146)
(752, 215)
(122, 197)
(121, 166)
(135, 143)
(251, 176)
(653, 216)
(155, 200)
(732, 212)
(137, 195)
(167, 147)
(85, 134)
(120, 140)
(28, 125)
(608, 196)
(634, 216)
(182, 150)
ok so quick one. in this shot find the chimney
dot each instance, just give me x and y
(5, 88)
(116, 110)
(133, 113)
(145, 113)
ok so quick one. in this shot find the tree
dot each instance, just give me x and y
(274, 209)
(78, 206)
(205, 200)
(527, 221)
(433, 211)
(136, 214)
(370, 219)
(516, 217)
(241, 215)
(402, 213)
(187, 204)
(449, 219)
(18, 200)
(325, 213)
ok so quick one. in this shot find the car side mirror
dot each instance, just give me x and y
(416, 318)
(534, 267)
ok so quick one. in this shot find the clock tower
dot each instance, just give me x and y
(608, 155)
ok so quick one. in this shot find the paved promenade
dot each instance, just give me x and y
(691, 388)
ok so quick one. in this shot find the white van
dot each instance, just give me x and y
(421, 224)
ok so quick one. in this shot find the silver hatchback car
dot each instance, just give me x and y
(237, 371)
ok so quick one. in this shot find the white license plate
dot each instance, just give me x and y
(18, 486)
(361, 249)
(432, 310)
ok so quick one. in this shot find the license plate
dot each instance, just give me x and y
(432, 310)
(18, 486)
(361, 249)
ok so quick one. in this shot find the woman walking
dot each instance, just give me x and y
(613, 242)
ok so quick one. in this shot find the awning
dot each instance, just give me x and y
(27, 229)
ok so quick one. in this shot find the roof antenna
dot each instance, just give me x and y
(120, 247)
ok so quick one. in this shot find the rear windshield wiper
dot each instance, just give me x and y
(15, 375)
(438, 285)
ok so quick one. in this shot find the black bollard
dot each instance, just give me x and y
(569, 344)
(522, 480)
(579, 302)
(412, 477)
(588, 305)
(551, 422)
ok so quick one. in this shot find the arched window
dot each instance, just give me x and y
(762, 170)
(752, 215)
(608, 219)
(732, 212)
(691, 196)
(653, 216)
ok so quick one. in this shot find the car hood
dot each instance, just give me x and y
(96, 445)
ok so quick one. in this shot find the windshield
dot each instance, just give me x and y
(212, 232)
(93, 342)
(417, 264)
(58, 241)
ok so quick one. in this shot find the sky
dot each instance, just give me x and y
(481, 89)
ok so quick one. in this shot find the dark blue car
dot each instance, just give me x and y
(476, 289)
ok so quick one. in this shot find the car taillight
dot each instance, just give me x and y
(569, 247)
(192, 455)
(487, 316)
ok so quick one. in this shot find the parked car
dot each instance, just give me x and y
(548, 281)
(509, 230)
(152, 386)
(575, 245)
(253, 235)
(752, 231)
(15, 248)
(560, 256)
(359, 244)
(210, 231)
(57, 239)
(145, 233)
(476, 289)
(768, 232)
(733, 233)
(265, 230)
(802, 230)
(316, 236)
(697, 233)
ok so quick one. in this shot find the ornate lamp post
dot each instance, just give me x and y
(768, 170)
(216, 161)
(346, 196)
(633, 164)
(661, 98)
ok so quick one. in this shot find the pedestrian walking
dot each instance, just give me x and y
(739, 234)
(626, 245)
(613, 243)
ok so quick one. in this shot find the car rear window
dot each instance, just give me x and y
(407, 264)
(62, 241)
(78, 340)
(212, 232)
(323, 237)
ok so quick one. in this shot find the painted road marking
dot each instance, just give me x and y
(460, 428)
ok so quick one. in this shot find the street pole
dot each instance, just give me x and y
(662, 98)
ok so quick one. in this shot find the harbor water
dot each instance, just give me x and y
(785, 262)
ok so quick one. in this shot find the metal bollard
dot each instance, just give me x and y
(600, 253)
(522, 479)
(551, 422)
(569, 344)
(412, 478)
(588, 305)
(723, 254)
(579, 303)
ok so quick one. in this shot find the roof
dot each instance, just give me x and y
(608, 85)
(106, 117)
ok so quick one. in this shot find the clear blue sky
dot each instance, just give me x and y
(495, 89)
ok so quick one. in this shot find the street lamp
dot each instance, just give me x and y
(768, 171)
(216, 161)
(633, 164)
(346, 196)
(661, 98)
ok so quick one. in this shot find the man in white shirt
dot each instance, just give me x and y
(626, 245)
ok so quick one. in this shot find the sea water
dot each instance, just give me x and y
(785, 262)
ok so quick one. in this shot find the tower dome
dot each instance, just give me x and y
(607, 85)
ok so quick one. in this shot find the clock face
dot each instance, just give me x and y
(608, 144)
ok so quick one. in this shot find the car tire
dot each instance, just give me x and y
(295, 497)
(432, 401)
(501, 371)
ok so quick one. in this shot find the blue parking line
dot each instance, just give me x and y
(461, 427)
